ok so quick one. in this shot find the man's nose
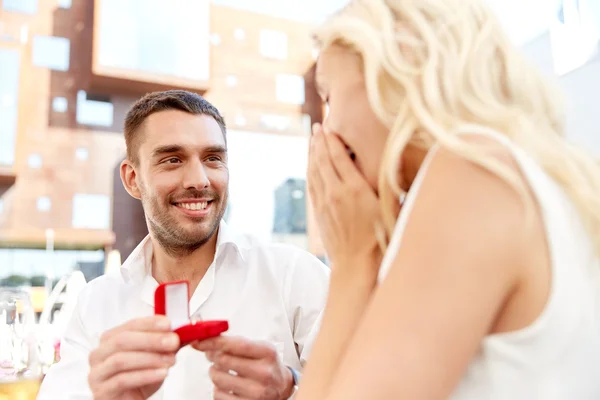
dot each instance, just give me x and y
(195, 176)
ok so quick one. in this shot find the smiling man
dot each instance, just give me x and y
(272, 295)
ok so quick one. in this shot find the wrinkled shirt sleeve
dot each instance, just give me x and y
(308, 284)
(68, 379)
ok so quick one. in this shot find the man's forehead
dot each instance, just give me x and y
(175, 127)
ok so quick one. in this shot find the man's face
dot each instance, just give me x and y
(182, 178)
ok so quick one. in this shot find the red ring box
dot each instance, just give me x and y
(172, 300)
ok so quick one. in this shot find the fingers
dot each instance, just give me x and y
(129, 361)
(120, 383)
(322, 161)
(315, 183)
(242, 387)
(156, 323)
(258, 370)
(224, 395)
(237, 346)
(342, 163)
(154, 342)
(133, 355)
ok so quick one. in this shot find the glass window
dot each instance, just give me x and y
(240, 120)
(44, 204)
(29, 266)
(64, 3)
(276, 210)
(275, 122)
(34, 161)
(146, 35)
(91, 211)
(290, 88)
(81, 153)
(21, 6)
(51, 52)
(215, 39)
(231, 80)
(10, 61)
(239, 34)
(60, 104)
(93, 112)
(575, 34)
(273, 44)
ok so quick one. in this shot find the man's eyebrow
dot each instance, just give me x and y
(167, 149)
(174, 148)
(215, 149)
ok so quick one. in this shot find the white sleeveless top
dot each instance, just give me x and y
(558, 356)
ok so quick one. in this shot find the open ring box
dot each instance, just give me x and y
(172, 300)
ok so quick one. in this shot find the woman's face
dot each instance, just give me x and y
(341, 84)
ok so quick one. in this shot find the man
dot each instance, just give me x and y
(272, 295)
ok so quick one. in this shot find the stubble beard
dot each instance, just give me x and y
(174, 239)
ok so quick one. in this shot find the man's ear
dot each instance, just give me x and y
(128, 177)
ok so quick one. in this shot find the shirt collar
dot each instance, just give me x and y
(139, 263)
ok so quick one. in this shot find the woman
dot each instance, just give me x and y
(464, 232)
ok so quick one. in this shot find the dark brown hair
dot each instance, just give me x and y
(160, 101)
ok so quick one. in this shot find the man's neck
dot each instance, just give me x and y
(189, 267)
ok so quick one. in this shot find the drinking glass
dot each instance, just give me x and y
(20, 366)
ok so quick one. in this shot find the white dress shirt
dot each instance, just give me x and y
(268, 292)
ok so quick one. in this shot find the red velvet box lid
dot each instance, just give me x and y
(172, 300)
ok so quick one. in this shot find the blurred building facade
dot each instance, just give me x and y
(69, 70)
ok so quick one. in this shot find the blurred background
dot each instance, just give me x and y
(69, 70)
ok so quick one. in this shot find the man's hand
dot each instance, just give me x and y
(132, 360)
(244, 369)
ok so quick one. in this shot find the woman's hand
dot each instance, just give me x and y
(346, 207)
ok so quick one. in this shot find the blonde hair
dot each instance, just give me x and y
(436, 68)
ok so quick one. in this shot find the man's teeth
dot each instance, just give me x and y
(194, 206)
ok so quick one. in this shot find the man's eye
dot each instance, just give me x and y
(214, 158)
(172, 160)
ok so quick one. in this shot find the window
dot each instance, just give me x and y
(21, 6)
(81, 154)
(34, 264)
(91, 211)
(261, 213)
(575, 34)
(239, 34)
(275, 122)
(34, 161)
(64, 3)
(24, 34)
(10, 61)
(240, 120)
(90, 111)
(290, 88)
(51, 52)
(44, 204)
(1, 206)
(307, 123)
(215, 39)
(231, 80)
(145, 35)
(273, 44)
(7, 100)
(59, 104)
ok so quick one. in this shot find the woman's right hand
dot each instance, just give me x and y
(346, 207)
